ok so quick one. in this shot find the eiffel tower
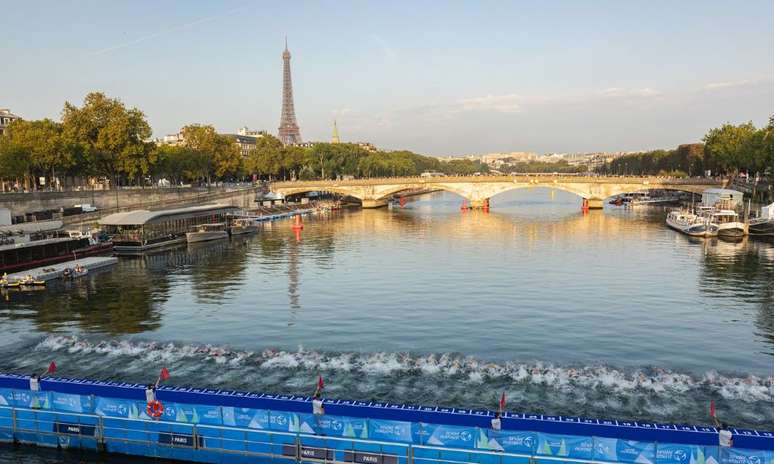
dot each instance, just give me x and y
(288, 128)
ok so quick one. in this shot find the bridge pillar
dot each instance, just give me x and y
(596, 203)
(374, 203)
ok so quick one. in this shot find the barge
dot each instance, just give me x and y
(224, 426)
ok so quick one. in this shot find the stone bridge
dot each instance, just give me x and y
(374, 193)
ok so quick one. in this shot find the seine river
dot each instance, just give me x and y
(608, 314)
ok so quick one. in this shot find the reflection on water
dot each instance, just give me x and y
(606, 314)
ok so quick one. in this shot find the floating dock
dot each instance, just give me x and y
(223, 426)
(55, 271)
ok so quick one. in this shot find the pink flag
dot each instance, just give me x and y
(502, 402)
(51, 368)
(164, 375)
(712, 408)
(320, 383)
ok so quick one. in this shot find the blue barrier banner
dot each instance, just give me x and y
(444, 435)
(509, 441)
(672, 453)
(111, 407)
(71, 403)
(615, 450)
(340, 426)
(292, 422)
(246, 417)
(192, 414)
(6, 397)
(283, 421)
(389, 430)
(32, 400)
(565, 446)
(745, 456)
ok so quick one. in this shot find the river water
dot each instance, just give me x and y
(606, 314)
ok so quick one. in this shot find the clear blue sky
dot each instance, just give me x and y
(441, 77)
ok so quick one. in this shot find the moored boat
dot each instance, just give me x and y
(691, 224)
(728, 223)
(207, 232)
(36, 253)
(764, 223)
(243, 226)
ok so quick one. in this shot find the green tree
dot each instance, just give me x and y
(266, 159)
(725, 148)
(15, 164)
(224, 157)
(42, 141)
(109, 137)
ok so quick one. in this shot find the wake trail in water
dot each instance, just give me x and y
(647, 393)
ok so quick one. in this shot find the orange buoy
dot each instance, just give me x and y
(155, 409)
(297, 224)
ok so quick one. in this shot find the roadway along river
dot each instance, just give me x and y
(608, 314)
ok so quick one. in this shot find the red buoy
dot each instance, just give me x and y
(297, 224)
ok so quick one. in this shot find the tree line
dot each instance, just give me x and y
(104, 140)
(727, 150)
(561, 167)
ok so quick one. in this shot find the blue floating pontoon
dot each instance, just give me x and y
(220, 426)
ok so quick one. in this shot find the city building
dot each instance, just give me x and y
(244, 142)
(245, 139)
(251, 133)
(172, 139)
(6, 117)
(289, 133)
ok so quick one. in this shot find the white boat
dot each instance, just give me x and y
(242, 226)
(728, 223)
(207, 232)
(655, 198)
(764, 223)
(691, 224)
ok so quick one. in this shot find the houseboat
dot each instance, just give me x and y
(140, 231)
(25, 255)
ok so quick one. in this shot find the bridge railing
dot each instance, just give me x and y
(505, 178)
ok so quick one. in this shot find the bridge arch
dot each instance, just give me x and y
(344, 191)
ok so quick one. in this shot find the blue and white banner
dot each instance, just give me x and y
(444, 435)
(615, 450)
(72, 403)
(111, 407)
(31, 399)
(292, 422)
(246, 417)
(340, 426)
(509, 441)
(192, 414)
(389, 430)
(672, 453)
(745, 456)
(565, 446)
(6, 397)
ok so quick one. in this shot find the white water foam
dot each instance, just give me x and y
(461, 368)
